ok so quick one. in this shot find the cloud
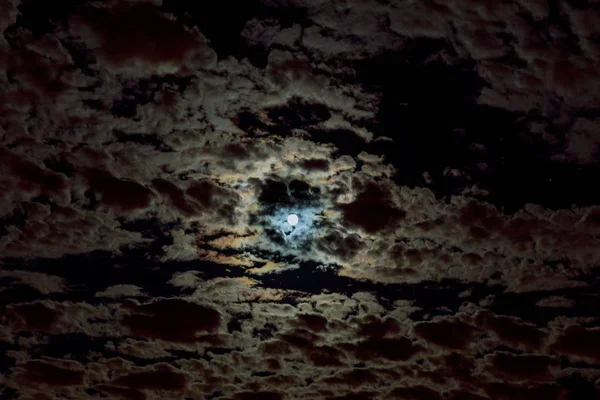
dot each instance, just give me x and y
(446, 333)
(437, 155)
(125, 47)
(372, 210)
(521, 368)
(35, 317)
(117, 291)
(157, 320)
(576, 341)
(515, 332)
(50, 373)
(43, 283)
(161, 377)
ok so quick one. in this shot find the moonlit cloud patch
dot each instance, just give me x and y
(292, 219)
(304, 232)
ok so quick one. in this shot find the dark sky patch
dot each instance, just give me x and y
(579, 387)
(412, 91)
(227, 40)
(149, 90)
(297, 114)
(250, 123)
(346, 141)
(275, 192)
(315, 164)
(278, 193)
(265, 332)
(61, 165)
(39, 17)
(224, 39)
(154, 141)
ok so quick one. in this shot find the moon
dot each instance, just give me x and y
(292, 219)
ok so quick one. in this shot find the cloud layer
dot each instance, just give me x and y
(439, 156)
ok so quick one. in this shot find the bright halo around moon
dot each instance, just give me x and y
(292, 219)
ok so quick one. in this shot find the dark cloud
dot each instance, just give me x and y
(374, 328)
(314, 322)
(502, 391)
(578, 341)
(258, 395)
(400, 349)
(515, 332)
(169, 319)
(28, 177)
(521, 368)
(37, 372)
(353, 396)
(162, 377)
(415, 393)
(175, 195)
(325, 356)
(353, 378)
(372, 210)
(448, 334)
(121, 193)
(34, 316)
(315, 164)
(141, 24)
(124, 393)
(466, 396)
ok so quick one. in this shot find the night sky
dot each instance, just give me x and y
(442, 157)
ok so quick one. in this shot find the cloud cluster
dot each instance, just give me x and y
(438, 155)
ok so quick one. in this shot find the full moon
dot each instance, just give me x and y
(292, 219)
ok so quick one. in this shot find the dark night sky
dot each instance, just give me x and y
(441, 155)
